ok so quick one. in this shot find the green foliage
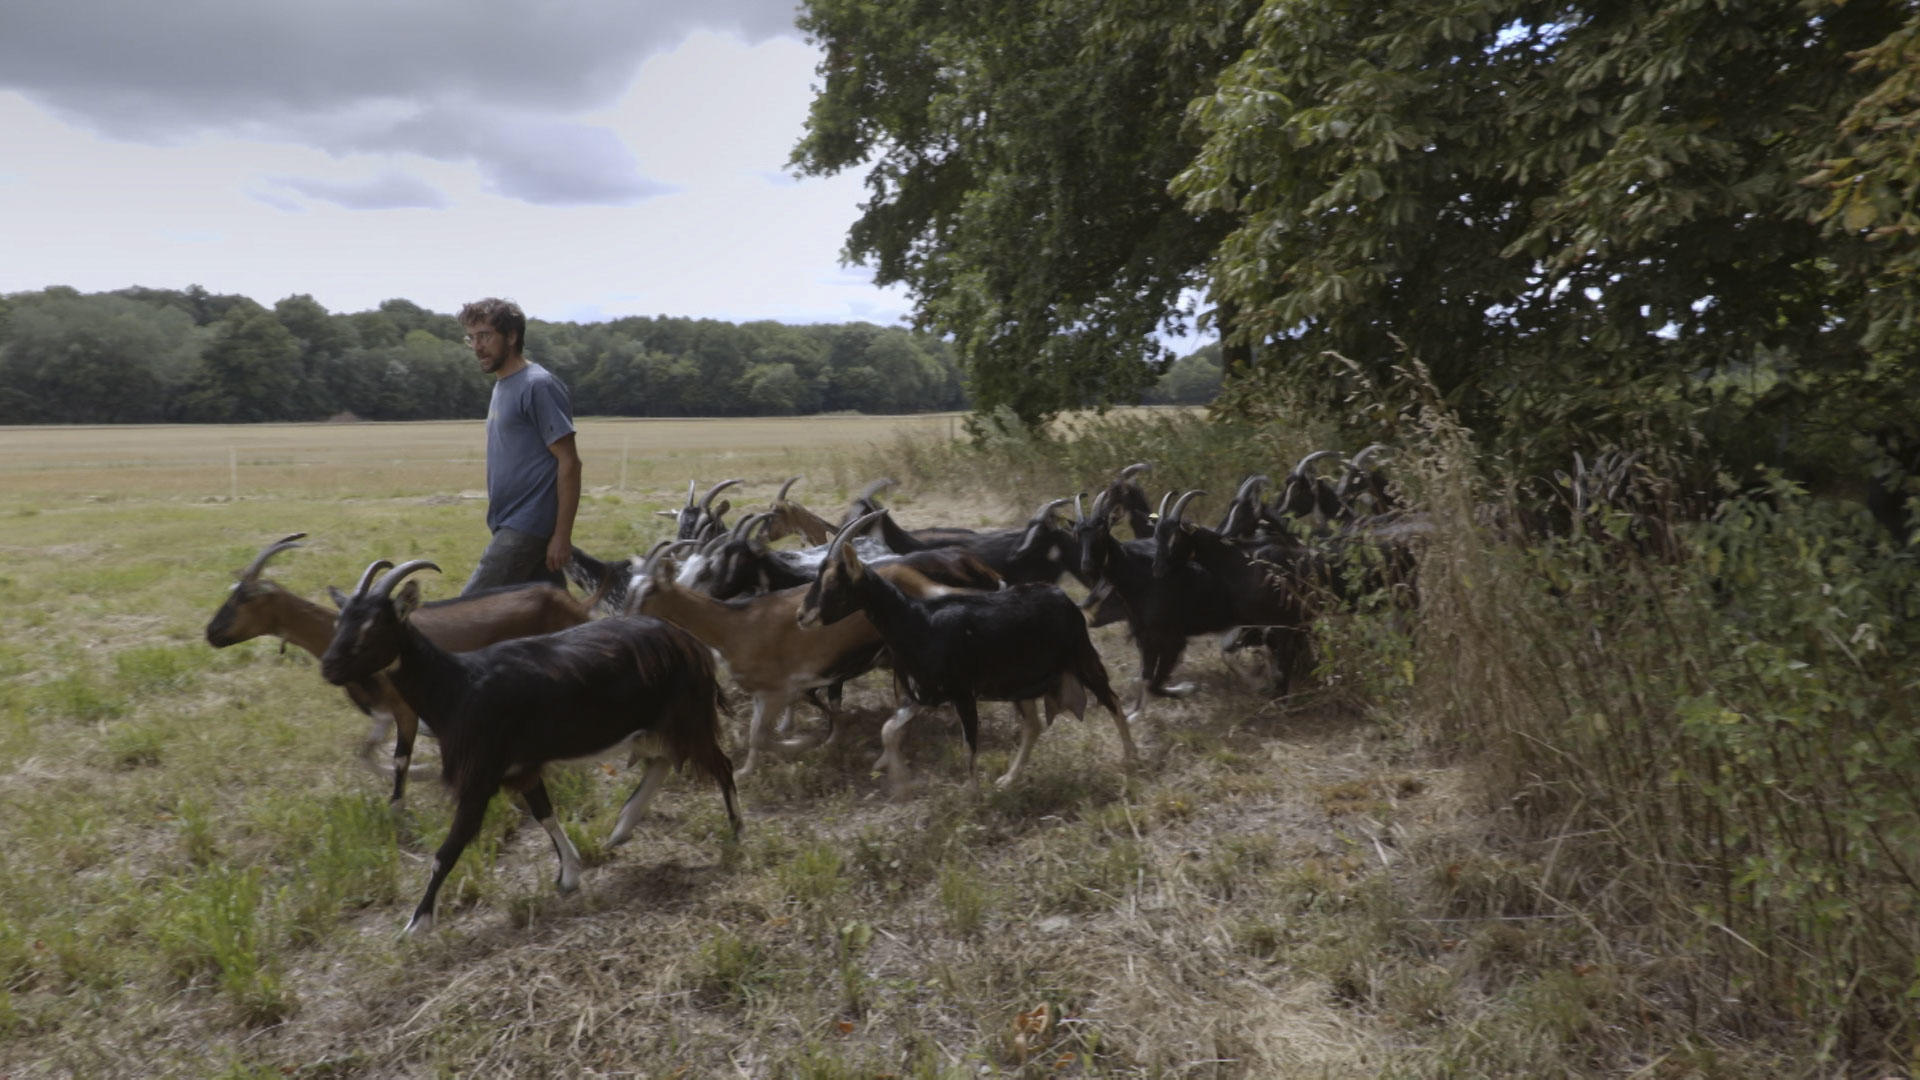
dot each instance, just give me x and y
(1727, 736)
(1578, 217)
(1018, 156)
(159, 355)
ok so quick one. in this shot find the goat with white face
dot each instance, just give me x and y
(257, 607)
(1021, 644)
(504, 711)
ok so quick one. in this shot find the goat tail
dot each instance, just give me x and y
(693, 720)
(1092, 673)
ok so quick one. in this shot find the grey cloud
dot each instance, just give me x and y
(525, 156)
(355, 75)
(389, 191)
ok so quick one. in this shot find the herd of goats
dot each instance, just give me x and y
(509, 680)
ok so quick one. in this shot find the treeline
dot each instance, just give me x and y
(160, 355)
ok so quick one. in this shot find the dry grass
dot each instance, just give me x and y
(200, 880)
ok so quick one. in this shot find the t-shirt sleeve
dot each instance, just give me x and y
(552, 409)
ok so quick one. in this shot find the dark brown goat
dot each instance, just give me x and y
(257, 607)
(504, 711)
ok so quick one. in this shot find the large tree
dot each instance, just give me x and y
(1576, 214)
(1018, 155)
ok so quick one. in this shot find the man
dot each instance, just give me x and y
(533, 468)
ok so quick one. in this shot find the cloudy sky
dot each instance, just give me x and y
(588, 158)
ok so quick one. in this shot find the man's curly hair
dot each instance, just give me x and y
(502, 315)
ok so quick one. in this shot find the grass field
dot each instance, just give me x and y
(202, 880)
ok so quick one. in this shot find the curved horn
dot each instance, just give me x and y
(253, 568)
(384, 587)
(1359, 460)
(1161, 514)
(1100, 508)
(373, 568)
(1048, 508)
(1181, 506)
(1250, 485)
(739, 530)
(706, 503)
(689, 494)
(1078, 514)
(875, 488)
(1301, 469)
(1134, 470)
(854, 528)
(784, 488)
(653, 555)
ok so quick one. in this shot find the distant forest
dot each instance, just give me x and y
(142, 355)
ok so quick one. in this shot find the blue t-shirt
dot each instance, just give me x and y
(530, 410)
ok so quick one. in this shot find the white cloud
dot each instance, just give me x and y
(596, 164)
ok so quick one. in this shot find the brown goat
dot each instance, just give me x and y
(257, 607)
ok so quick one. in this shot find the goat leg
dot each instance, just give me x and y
(963, 704)
(468, 814)
(1029, 715)
(636, 804)
(405, 728)
(890, 760)
(541, 807)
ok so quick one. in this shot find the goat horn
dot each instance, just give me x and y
(854, 528)
(1079, 515)
(253, 568)
(1301, 469)
(784, 488)
(384, 587)
(653, 555)
(740, 527)
(1181, 506)
(1164, 499)
(875, 488)
(689, 494)
(1100, 507)
(1048, 508)
(1134, 469)
(373, 568)
(1359, 460)
(1250, 485)
(707, 502)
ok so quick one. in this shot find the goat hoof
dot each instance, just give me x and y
(566, 886)
(418, 926)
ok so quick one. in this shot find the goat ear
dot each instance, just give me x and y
(406, 599)
(850, 564)
(339, 598)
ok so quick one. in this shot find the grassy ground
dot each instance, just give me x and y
(202, 880)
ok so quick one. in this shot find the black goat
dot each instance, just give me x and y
(1019, 644)
(504, 711)
(698, 521)
(1040, 550)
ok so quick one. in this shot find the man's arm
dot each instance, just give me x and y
(567, 456)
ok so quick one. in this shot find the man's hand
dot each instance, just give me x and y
(559, 552)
